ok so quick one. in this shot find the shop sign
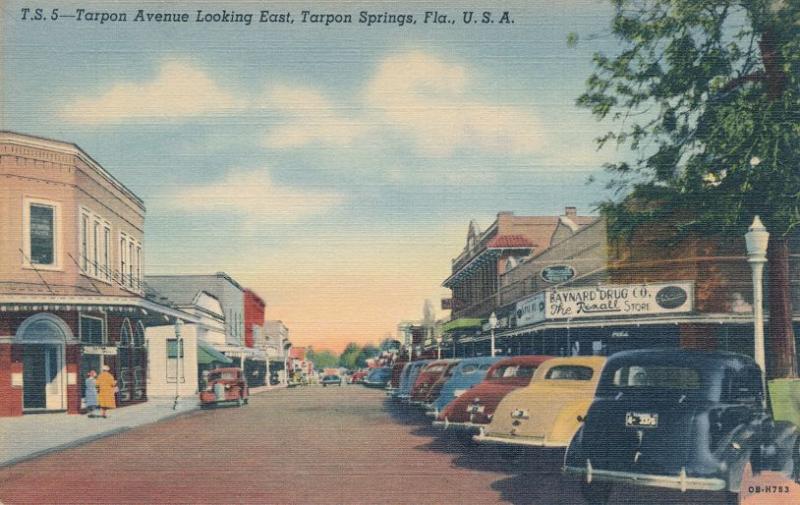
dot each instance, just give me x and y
(531, 310)
(620, 300)
(100, 350)
(556, 274)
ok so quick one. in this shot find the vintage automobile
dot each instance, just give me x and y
(394, 382)
(358, 376)
(224, 385)
(427, 379)
(436, 389)
(378, 377)
(409, 378)
(331, 380)
(475, 407)
(467, 373)
(679, 419)
(545, 413)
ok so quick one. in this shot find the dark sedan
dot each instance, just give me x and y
(679, 419)
(378, 377)
(331, 380)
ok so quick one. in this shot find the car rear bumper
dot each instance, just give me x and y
(458, 427)
(681, 481)
(493, 439)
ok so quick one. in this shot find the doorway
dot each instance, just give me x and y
(43, 377)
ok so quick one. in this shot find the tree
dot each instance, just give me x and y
(706, 94)
(349, 356)
(322, 359)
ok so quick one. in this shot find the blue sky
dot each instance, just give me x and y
(332, 169)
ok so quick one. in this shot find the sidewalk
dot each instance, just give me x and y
(29, 436)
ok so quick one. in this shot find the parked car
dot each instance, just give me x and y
(358, 376)
(378, 377)
(467, 373)
(679, 419)
(225, 385)
(427, 378)
(409, 378)
(331, 380)
(545, 413)
(435, 390)
(475, 407)
(394, 382)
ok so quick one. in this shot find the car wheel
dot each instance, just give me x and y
(597, 493)
(746, 480)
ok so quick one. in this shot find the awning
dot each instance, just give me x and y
(206, 355)
(464, 322)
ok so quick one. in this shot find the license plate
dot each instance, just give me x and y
(641, 420)
(475, 409)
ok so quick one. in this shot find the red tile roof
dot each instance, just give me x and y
(509, 242)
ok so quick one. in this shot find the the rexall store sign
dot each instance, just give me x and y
(607, 300)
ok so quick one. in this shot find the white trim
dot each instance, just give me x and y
(57, 264)
(64, 327)
(119, 301)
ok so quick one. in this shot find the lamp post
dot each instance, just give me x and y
(492, 326)
(756, 240)
(178, 352)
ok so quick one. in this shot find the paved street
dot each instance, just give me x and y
(306, 445)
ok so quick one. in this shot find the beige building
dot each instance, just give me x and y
(71, 271)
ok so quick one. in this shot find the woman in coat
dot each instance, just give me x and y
(106, 385)
(90, 393)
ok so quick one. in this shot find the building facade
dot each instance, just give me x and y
(71, 271)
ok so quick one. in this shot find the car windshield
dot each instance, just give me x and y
(570, 372)
(331, 377)
(467, 369)
(223, 376)
(657, 376)
(435, 368)
(507, 371)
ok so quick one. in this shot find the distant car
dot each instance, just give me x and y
(331, 380)
(466, 374)
(475, 407)
(394, 381)
(225, 385)
(358, 377)
(546, 412)
(679, 419)
(378, 377)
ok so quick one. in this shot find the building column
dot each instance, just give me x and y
(73, 359)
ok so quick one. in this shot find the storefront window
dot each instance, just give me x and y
(92, 330)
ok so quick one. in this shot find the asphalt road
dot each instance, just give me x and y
(309, 445)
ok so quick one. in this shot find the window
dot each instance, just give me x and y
(106, 252)
(91, 329)
(570, 373)
(95, 247)
(84, 255)
(131, 277)
(42, 236)
(123, 249)
(139, 265)
(670, 377)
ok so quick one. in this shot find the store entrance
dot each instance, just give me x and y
(42, 377)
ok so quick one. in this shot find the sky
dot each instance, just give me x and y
(332, 169)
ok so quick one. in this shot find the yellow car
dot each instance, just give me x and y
(545, 413)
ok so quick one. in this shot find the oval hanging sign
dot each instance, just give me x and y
(557, 273)
(671, 297)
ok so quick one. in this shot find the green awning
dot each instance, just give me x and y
(464, 322)
(207, 355)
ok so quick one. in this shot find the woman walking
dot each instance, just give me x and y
(90, 392)
(106, 385)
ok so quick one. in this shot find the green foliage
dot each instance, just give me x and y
(354, 356)
(322, 359)
(706, 95)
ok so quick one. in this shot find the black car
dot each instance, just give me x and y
(378, 377)
(679, 419)
(331, 380)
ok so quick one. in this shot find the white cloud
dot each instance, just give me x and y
(308, 118)
(179, 90)
(253, 195)
(433, 101)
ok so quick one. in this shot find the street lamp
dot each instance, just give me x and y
(756, 240)
(178, 352)
(492, 326)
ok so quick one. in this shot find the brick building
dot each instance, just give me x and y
(71, 270)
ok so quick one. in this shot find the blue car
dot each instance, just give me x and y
(467, 373)
(378, 377)
(410, 373)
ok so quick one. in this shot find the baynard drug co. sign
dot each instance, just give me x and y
(620, 300)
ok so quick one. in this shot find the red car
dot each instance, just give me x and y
(475, 407)
(358, 377)
(397, 372)
(225, 385)
(429, 379)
